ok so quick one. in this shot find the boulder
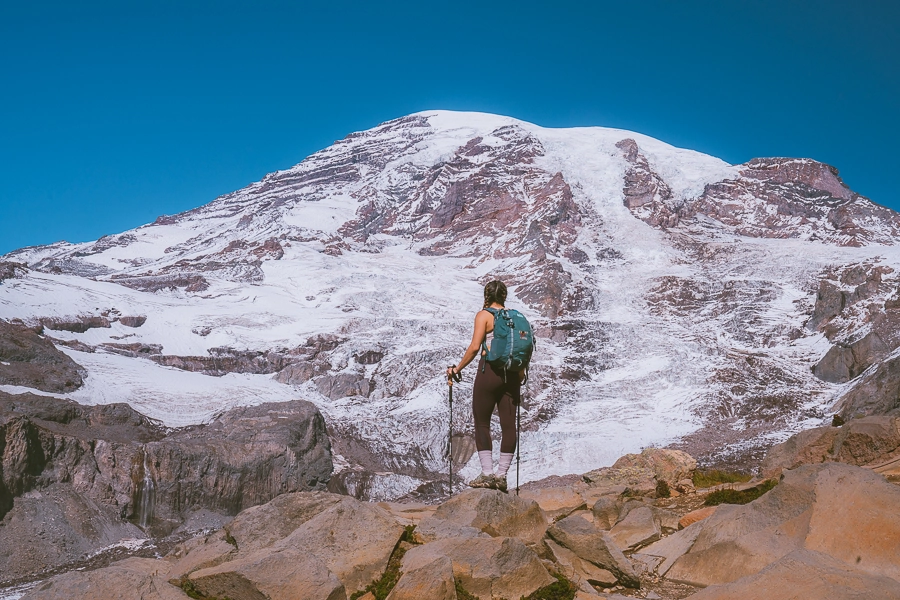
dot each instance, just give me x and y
(130, 579)
(489, 511)
(811, 446)
(555, 501)
(265, 575)
(353, 539)
(638, 480)
(577, 570)
(867, 440)
(841, 510)
(433, 580)
(666, 465)
(606, 511)
(638, 528)
(805, 575)
(594, 545)
(857, 442)
(486, 567)
(261, 526)
(671, 548)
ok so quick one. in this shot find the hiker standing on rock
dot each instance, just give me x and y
(501, 372)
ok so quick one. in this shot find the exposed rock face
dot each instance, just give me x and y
(593, 545)
(866, 441)
(646, 193)
(11, 270)
(143, 578)
(491, 512)
(494, 567)
(346, 546)
(30, 360)
(799, 513)
(808, 575)
(876, 393)
(433, 580)
(127, 469)
(786, 197)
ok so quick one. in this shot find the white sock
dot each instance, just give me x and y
(505, 460)
(487, 462)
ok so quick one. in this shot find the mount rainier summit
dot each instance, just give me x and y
(677, 300)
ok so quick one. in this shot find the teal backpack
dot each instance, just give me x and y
(513, 341)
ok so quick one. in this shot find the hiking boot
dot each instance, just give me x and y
(482, 481)
(499, 483)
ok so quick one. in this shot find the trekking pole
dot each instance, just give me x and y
(457, 377)
(518, 426)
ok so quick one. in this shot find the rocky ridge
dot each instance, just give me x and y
(75, 479)
(591, 538)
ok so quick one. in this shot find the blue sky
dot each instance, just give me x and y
(113, 113)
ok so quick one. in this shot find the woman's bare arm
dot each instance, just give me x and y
(482, 319)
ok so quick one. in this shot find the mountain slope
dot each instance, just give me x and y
(677, 299)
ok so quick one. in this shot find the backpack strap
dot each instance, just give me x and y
(484, 347)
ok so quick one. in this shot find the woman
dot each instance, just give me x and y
(492, 389)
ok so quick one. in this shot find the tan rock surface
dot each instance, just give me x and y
(262, 526)
(200, 553)
(433, 580)
(672, 547)
(865, 441)
(557, 501)
(606, 511)
(811, 446)
(844, 511)
(285, 574)
(805, 575)
(856, 519)
(638, 528)
(576, 569)
(408, 514)
(486, 567)
(667, 465)
(353, 539)
(130, 579)
(594, 545)
(489, 511)
(696, 515)
(640, 480)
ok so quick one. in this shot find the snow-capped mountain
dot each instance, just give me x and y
(677, 299)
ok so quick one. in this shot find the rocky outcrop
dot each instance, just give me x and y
(30, 360)
(646, 193)
(345, 546)
(798, 514)
(492, 567)
(488, 511)
(11, 270)
(875, 393)
(640, 473)
(134, 472)
(866, 441)
(789, 197)
(807, 575)
(595, 546)
(133, 578)
(786, 544)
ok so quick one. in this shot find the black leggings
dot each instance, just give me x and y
(490, 391)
